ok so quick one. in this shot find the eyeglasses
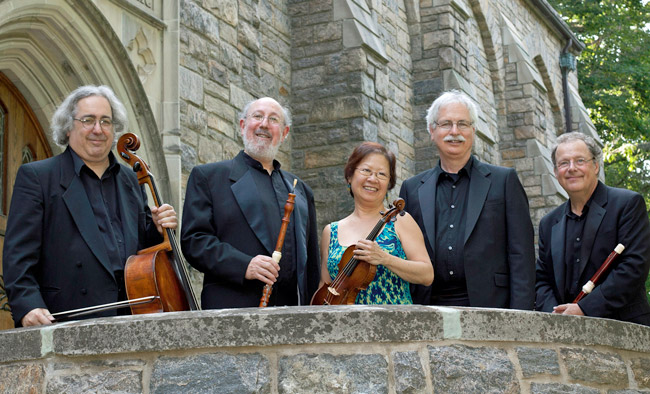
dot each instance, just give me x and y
(579, 162)
(382, 176)
(274, 120)
(448, 125)
(88, 122)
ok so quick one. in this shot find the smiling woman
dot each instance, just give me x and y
(398, 251)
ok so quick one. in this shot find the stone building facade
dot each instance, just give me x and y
(355, 70)
(350, 70)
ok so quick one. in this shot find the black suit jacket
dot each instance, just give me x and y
(614, 216)
(54, 256)
(224, 228)
(499, 252)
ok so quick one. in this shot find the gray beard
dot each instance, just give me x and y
(260, 150)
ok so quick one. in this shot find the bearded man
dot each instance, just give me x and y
(232, 216)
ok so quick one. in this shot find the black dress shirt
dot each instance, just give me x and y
(104, 200)
(273, 193)
(450, 287)
(573, 250)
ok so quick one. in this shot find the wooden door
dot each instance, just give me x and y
(21, 140)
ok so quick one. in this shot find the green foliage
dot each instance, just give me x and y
(614, 78)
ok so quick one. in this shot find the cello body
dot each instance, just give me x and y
(159, 270)
(149, 274)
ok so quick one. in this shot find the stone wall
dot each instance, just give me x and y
(347, 349)
(355, 70)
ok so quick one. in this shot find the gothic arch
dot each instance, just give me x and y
(49, 49)
(551, 95)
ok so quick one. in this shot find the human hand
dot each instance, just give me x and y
(568, 309)
(164, 216)
(37, 317)
(263, 268)
(370, 252)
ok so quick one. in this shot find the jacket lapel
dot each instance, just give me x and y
(479, 185)
(557, 252)
(128, 209)
(427, 192)
(594, 218)
(78, 205)
(245, 191)
(298, 220)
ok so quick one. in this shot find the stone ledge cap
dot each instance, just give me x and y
(263, 327)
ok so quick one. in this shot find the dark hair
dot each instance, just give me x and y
(360, 152)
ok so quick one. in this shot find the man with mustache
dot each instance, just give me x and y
(232, 216)
(75, 218)
(474, 217)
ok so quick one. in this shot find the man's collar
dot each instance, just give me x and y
(256, 164)
(467, 168)
(78, 162)
(585, 209)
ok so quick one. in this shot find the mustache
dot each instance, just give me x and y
(454, 138)
(262, 132)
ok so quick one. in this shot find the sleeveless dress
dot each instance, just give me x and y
(387, 287)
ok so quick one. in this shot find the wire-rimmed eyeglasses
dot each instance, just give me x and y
(88, 122)
(579, 162)
(462, 125)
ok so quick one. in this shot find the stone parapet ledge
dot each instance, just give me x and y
(354, 348)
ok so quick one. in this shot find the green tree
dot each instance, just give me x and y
(614, 78)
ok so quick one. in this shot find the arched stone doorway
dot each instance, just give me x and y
(21, 140)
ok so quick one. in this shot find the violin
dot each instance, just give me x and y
(355, 275)
(159, 271)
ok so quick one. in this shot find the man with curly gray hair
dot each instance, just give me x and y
(76, 217)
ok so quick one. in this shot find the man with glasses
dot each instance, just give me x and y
(232, 217)
(474, 217)
(75, 218)
(576, 238)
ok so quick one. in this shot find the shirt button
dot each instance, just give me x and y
(451, 272)
(451, 226)
(450, 248)
(578, 239)
(84, 291)
(453, 206)
(577, 260)
(453, 186)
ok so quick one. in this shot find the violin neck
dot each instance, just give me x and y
(376, 230)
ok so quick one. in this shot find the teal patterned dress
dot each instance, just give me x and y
(386, 288)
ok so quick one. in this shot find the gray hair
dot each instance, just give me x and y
(451, 97)
(593, 147)
(286, 113)
(63, 118)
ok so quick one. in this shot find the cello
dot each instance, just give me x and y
(159, 270)
(156, 278)
(355, 275)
